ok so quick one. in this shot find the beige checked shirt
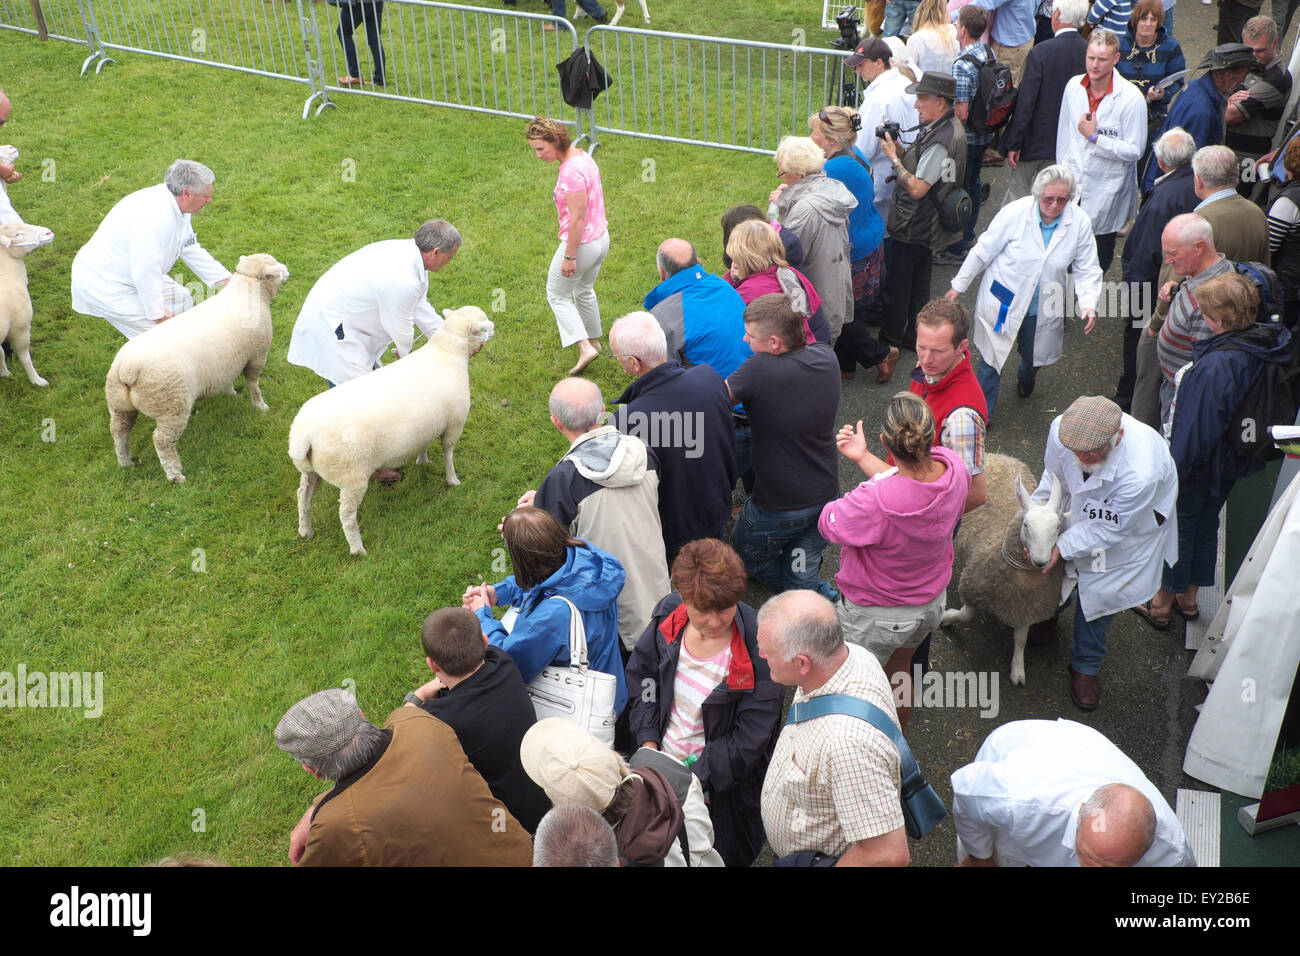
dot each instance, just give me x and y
(834, 780)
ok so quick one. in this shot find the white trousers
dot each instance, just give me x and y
(176, 299)
(573, 298)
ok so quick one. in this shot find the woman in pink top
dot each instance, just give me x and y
(896, 535)
(584, 239)
(759, 267)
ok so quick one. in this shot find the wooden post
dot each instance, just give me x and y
(39, 14)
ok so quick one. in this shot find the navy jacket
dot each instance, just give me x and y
(742, 719)
(684, 416)
(1172, 196)
(1208, 399)
(1049, 66)
(1199, 109)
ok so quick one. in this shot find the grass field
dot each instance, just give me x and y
(205, 613)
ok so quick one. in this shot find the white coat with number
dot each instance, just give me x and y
(374, 296)
(1122, 526)
(1011, 252)
(1107, 169)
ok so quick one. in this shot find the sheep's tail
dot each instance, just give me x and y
(300, 450)
(117, 388)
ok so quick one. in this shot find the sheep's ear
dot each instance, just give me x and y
(1022, 496)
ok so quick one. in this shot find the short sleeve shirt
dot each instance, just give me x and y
(580, 175)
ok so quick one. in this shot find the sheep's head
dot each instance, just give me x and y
(264, 269)
(469, 323)
(19, 238)
(1042, 523)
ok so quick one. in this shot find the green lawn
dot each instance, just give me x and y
(205, 613)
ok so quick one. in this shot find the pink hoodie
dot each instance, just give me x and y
(896, 535)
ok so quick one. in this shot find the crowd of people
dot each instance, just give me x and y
(739, 375)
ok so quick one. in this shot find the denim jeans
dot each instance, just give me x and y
(990, 378)
(1198, 541)
(898, 12)
(594, 9)
(1089, 645)
(782, 549)
(972, 185)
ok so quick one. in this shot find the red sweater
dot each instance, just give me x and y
(956, 389)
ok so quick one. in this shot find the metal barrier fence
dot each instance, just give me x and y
(712, 91)
(63, 18)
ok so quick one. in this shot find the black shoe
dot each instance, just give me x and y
(949, 258)
(1024, 389)
(984, 193)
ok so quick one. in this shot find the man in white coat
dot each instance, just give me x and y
(1101, 133)
(8, 157)
(121, 273)
(885, 98)
(1119, 490)
(1057, 793)
(369, 300)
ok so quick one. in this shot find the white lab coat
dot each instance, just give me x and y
(120, 272)
(1019, 801)
(375, 295)
(1106, 169)
(7, 212)
(885, 98)
(1114, 547)
(1011, 252)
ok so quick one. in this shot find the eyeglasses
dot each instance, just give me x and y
(1055, 200)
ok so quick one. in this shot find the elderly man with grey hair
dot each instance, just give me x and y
(404, 794)
(605, 490)
(833, 786)
(121, 273)
(1057, 793)
(1174, 193)
(684, 416)
(1240, 227)
(572, 834)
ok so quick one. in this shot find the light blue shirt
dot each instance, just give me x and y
(1219, 195)
(1014, 24)
(1047, 228)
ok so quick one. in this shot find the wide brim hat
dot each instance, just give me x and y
(936, 84)
(1226, 56)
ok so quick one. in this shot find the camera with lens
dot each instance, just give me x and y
(891, 129)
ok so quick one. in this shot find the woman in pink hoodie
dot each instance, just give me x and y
(896, 532)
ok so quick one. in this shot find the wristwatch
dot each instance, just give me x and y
(572, 258)
(412, 699)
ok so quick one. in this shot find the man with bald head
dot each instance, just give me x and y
(605, 490)
(1057, 793)
(701, 314)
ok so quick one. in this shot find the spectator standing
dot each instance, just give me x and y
(1030, 138)
(972, 21)
(1100, 135)
(1233, 16)
(933, 43)
(1284, 235)
(353, 13)
(898, 17)
(885, 100)
(1112, 15)
(1254, 112)
(1240, 227)
(8, 175)
(1147, 55)
(1013, 32)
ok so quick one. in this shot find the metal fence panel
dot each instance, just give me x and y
(63, 19)
(713, 91)
(472, 58)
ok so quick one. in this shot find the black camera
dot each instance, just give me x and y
(848, 22)
(890, 129)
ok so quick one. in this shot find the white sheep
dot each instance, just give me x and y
(191, 356)
(385, 418)
(1004, 546)
(17, 240)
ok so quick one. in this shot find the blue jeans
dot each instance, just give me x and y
(974, 163)
(897, 12)
(782, 549)
(594, 9)
(1089, 645)
(1198, 541)
(990, 378)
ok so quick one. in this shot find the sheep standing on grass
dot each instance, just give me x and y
(17, 240)
(1004, 546)
(385, 418)
(194, 355)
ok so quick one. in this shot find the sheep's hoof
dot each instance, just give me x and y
(1018, 676)
(177, 479)
(453, 480)
(306, 534)
(261, 406)
(126, 463)
(39, 382)
(359, 552)
(950, 618)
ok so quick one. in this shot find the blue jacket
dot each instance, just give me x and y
(1143, 255)
(1199, 109)
(742, 719)
(591, 579)
(703, 319)
(1209, 396)
(866, 228)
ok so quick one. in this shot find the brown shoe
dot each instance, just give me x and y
(387, 476)
(1085, 690)
(1043, 633)
(846, 376)
(885, 368)
(992, 158)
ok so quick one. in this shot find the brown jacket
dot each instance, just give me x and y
(421, 804)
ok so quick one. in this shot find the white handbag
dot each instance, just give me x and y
(577, 693)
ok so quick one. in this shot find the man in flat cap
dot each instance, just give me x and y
(1118, 491)
(924, 173)
(404, 795)
(1200, 109)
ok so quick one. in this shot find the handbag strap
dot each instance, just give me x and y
(851, 706)
(577, 636)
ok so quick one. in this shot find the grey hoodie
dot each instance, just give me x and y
(816, 209)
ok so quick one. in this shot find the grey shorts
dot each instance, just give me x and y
(883, 630)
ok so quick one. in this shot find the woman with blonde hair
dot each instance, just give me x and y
(933, 43)
(895, 531)
(759, 267)
(835, 129)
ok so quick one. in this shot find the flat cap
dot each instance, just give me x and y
(569, 764)
(1225, 56)
(1089, 423)
(319, 725)
(873, 48)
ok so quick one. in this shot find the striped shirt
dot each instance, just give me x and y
(696, 679)
(1112, 15)
(1283, 224)
(1185, 325)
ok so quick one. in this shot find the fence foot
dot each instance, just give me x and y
(324, 102)
(97, 55)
